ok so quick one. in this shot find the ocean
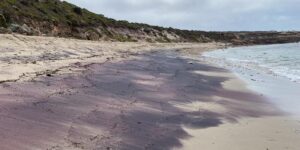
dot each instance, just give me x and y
(271, 70)
(279, 60)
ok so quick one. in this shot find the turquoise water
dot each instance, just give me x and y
(280, 60)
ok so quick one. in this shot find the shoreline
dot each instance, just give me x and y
(271, 132)
(276, 132)
(89, 95)
(265, 81)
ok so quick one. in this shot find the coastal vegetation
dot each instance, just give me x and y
(62, 19)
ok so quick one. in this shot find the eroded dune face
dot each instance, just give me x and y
(138, 103)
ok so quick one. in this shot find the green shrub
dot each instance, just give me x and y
(3, 22)
(77, 10)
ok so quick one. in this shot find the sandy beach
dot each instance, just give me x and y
(66, 94)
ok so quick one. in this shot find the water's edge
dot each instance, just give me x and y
(281, 90)
(278, 60)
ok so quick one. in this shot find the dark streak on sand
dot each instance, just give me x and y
(123, 105)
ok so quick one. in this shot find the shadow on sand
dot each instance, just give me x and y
(132, 104)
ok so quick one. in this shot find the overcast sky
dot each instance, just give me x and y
(221, 15)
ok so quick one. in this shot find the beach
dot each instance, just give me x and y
(58, 94)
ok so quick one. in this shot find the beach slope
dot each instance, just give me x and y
(58, 94)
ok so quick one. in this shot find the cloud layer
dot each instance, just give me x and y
(221, 15)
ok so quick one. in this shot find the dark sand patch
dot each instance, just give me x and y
(123, 105)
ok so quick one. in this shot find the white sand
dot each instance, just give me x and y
(271, 133)
(266, 133)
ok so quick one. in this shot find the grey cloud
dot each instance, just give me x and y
(203, 14)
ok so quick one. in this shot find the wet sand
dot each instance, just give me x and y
(150, 99)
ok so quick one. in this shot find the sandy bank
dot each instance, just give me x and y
(23, 57)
